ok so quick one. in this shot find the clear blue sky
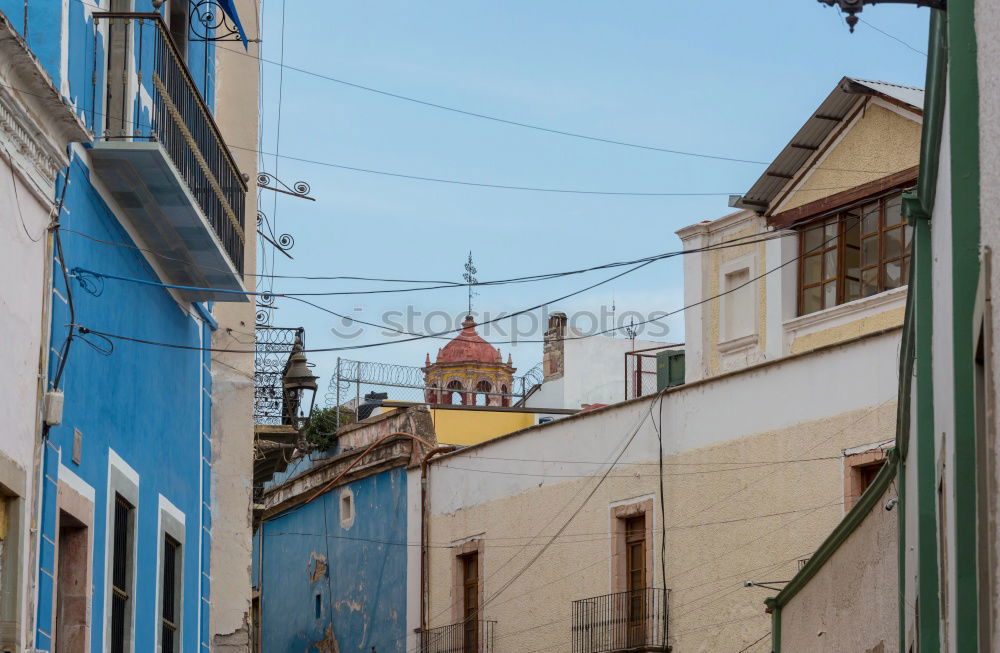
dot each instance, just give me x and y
(728, 77)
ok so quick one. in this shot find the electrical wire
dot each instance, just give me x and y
(17, 199)
(894, 38)
(503, 317)
(504, 121)
(64, 349)
(760, 237)
(728, 552)
(441, 180)
(755, 642)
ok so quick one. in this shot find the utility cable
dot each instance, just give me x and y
(755, 642)
(504, 317)
(571, 191)
(17, 198)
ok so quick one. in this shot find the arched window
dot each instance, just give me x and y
(483, 389)
(453, 393)
(505, 396)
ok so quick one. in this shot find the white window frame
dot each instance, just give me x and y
(732, 342)
(123, 480)
(170, 521)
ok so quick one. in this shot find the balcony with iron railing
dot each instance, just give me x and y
(162, 156)
(462, 637)
(625, 621)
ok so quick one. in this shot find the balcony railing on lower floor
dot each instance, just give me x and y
(626, 621)
(463, 637)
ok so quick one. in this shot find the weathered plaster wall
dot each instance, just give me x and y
(356, 567)
(988, 42)
(879, 143)
(22, 257)
(851, 603)
(236, 90)
(750, 489)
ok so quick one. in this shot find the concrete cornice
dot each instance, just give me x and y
(36, 123)
(711, 226)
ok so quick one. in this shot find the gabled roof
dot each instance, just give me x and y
(827, 117)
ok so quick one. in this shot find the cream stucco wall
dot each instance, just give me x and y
(880, 142)
(232, 374)
(851, 603)
(753, 483)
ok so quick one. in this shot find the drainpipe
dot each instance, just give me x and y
(424, 469)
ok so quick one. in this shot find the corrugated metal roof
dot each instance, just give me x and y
(830, 114)
(912, 96)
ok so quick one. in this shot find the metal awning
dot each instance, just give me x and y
(168, 217)
(828, 117)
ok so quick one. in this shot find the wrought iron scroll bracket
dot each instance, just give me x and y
(297, 189)
(210, 23)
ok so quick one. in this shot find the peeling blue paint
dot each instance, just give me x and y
(363, 593)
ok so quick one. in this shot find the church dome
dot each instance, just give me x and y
(469, 346)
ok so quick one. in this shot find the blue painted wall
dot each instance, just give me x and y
(86, 55)
(151, 405)
(363, 594)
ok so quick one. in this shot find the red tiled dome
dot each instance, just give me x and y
(469, 346)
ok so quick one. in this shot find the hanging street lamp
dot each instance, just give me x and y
(299, 385)
(854, 7)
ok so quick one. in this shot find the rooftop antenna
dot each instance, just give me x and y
(631, 331)
(470, 279)
(614, 331)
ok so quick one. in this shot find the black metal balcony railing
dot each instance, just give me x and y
(141, 53)
(463, 637)
(272, 348)
(635, 620)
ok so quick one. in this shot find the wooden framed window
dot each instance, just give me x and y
(170, 607)
(858, 252)
(860, 470)
(122, 570)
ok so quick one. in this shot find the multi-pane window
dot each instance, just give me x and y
(122, 563)
(856, 253)
(169, 622)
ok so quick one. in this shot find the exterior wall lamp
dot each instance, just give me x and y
(853, 7)
(299, 385)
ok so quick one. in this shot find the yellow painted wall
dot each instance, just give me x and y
(466, 427)
(880, 143)
(868, 324)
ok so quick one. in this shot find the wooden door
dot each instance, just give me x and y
(635, 568)
(470, 603)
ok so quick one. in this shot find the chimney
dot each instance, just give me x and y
(553, 362)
